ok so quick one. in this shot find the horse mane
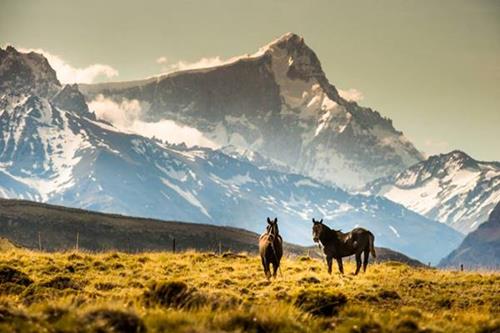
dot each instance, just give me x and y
(332, 234)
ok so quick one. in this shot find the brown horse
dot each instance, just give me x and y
(271, 247)
(337, 244)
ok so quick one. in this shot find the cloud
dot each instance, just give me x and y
(433, 147)
(122, 115)
(126, 115)
(69, 74)
(186, 65)
(352, 95)
(161, 60)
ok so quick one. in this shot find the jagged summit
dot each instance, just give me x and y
(27, 78)
(70, 98)
(26, 73)
(277, 102)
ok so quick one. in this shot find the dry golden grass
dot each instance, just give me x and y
(201, 292)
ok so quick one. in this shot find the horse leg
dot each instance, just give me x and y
(329, 264)
(265, 265)
(365, 259)
(275, 268)
(358, 262)
(341, 266)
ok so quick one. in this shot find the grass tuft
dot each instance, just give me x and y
(320, 302)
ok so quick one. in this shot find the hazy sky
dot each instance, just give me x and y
(433, 66)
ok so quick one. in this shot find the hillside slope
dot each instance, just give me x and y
(481, 248)
(23, 222)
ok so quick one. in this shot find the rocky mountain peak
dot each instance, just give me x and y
(26, 73)
(276, 102)
(295, 60)
(71, 99)
(453, 161)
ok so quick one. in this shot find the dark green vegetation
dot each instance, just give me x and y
(202, 292)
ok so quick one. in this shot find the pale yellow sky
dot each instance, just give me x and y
(431, 66)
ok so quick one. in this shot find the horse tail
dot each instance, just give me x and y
(372, 245)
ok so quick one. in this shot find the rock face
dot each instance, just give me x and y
(63, 156)
(70, 98)
(279, 103)
(481, 248)
(451, 188)
(26, 73)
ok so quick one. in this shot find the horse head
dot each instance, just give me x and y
(318, 229)
(272, 226)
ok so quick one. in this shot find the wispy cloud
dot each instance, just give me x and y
(433, 147)
(125, 115)
(69, 74)
(162, 60)
(186, 65)
(352, 95)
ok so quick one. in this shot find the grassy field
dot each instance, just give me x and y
(202, 292)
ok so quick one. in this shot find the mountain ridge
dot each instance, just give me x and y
(452, 188)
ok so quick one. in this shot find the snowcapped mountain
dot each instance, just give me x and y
(279, 103)
(53, 150)
(451, 188)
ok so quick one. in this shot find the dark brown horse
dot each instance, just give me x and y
(337, 244)
(271, 247)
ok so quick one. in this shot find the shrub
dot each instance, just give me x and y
(250, 322)
(370, 327)
(406, 326)
(61, 282)
(105, 286)
(389, 294)
(107, 320)
(309, 280)
(36, 293)
(54, 313)
(74, 256)
(12, 275)
(320, 303)
(9, 288)
(493, 327)
(8, 315)
(173, 294)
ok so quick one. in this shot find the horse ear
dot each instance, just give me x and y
(314, 221)
(321, 221)
(275, 220)
(268, 220)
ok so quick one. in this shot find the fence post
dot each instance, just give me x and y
(173, 245)
(220, 247)
(461, 267)
(77, 240)
(39, 241)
